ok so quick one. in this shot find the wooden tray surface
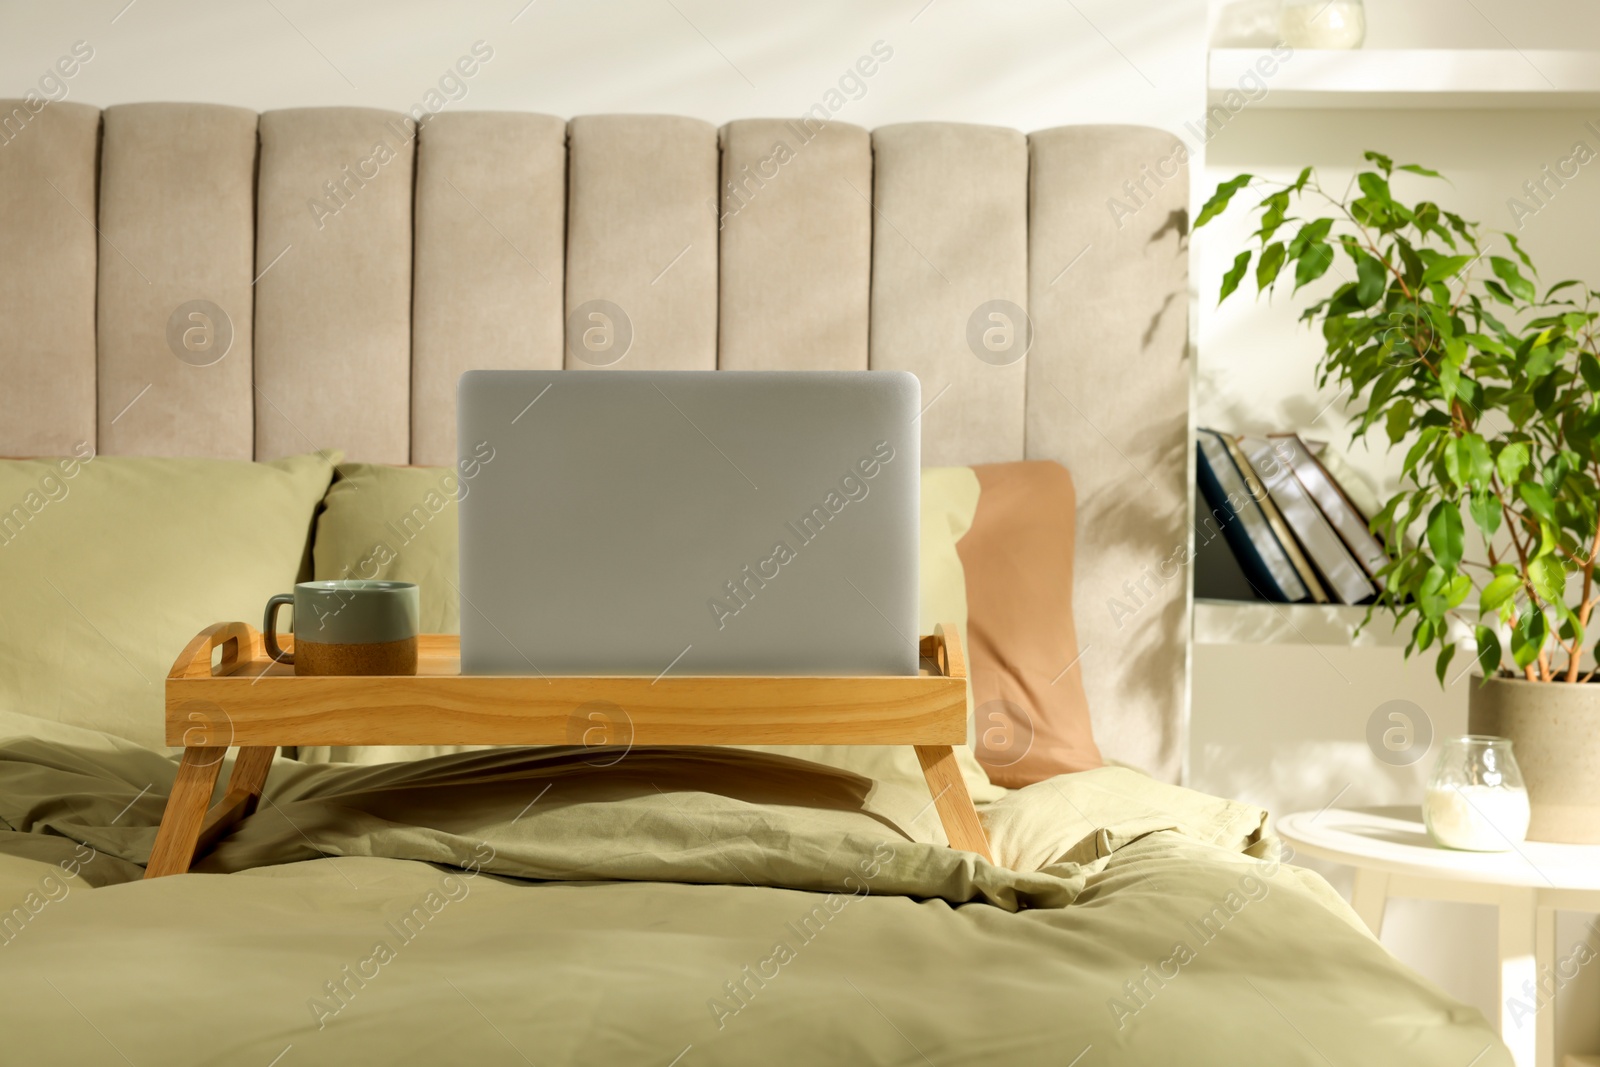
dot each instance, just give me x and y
(246, 699)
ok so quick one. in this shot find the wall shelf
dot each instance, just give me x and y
(1414, 78)
(1237, 622)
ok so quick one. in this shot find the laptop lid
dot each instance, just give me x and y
(702, 522)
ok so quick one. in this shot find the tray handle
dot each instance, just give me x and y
(240, 642)
(944, 648)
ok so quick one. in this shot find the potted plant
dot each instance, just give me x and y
(1446, 345)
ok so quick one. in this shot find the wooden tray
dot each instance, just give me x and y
(224, 690)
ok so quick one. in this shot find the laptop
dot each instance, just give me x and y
(689, 522)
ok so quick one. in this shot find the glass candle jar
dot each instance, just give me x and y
(1323, 23)
(1476, 800)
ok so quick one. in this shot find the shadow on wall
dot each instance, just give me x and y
(1133, 615)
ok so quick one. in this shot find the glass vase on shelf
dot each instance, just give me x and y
(1323, 23)
(1476, 800)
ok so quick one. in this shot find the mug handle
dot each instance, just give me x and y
(269, 628)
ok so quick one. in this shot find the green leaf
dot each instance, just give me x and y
(1398, 422)
(1424, 171)
(1488, 656)
(1476, 467)
(1455, 354)
(1442, 664)
(1268, 266)
(1537, 497)
(1486, 511)
(1511, 462)
(1313, 264)
(1374, 187)
(1541, 361)
(1384, 163)
(1275, 210)
(1425, 443)
(1571, 629)
(1528, 637)
(1589, 367)
(1517, 248)
(1313, 232)
(1507, 272)
(1549, 577)
(1484, 343)
(1371, 280)
(1219, 200)
(1498, 593)
(1409, 257)
(1548, 539)
(1300, 182)
(1230, 280)
(1445, 267)
(1445, 534)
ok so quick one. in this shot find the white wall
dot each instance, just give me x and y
(1028, 64)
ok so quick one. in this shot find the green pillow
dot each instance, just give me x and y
(400, 523)
(110, 565)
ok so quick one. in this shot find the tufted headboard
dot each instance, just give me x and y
(355, 264)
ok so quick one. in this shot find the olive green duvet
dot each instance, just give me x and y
(684, 907)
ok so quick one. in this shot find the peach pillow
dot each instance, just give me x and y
(1032, 715)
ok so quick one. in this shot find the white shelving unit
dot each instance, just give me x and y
(1234, 622)
(1284, 725)
(1414, 78)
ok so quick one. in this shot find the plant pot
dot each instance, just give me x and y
(1554, 730)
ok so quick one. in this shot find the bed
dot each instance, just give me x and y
(694, 906)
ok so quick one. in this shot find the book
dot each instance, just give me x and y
(1243, 524)
(1350, 483)
(1291, 548)
(1335, 504)
(1218, 575)
(1344, 576)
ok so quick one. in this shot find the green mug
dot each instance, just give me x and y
(348, 626)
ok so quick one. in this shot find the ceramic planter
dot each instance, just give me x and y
(1555, 734)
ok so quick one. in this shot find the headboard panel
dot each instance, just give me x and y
(363, 263)
(639, 235)
(796, 253)
(491, 248)
(177, 222)
(48, 252)
(951, 233)
(333, 303)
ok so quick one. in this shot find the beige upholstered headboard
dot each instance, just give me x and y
(361, 264)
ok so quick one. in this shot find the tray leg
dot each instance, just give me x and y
(186, 812)
(249, 777)
(951, 799)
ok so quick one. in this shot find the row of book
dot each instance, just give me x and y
(1292, 527)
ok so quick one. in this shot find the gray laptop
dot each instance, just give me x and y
(691, 522)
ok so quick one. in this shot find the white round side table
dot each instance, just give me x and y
(1394, 857)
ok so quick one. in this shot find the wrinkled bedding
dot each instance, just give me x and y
(691, 906)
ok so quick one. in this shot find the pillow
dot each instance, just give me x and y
(401, 523)
(1032, 716)
(110, 565)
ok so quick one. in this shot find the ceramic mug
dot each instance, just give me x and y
(348, 626)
